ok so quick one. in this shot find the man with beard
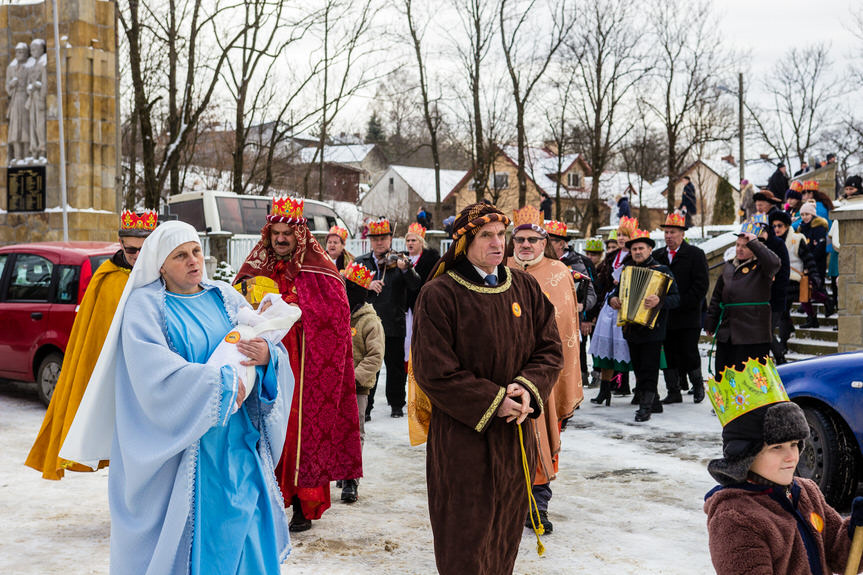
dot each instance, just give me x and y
(689, 266)
(335, 247)
(85, 342)
(323, 439)
(487, 354)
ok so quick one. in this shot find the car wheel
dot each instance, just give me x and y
(47, 375)
(827, 458)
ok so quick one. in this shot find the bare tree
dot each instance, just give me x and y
(643, 154)
(527, 58)
(608, 62)
(555, 116)
(802, 95)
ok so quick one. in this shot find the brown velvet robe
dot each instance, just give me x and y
(469, 342)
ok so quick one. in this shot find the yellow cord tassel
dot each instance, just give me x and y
(537, 529)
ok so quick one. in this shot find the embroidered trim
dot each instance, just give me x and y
(483, 289)
(532, 388)
(491, 410)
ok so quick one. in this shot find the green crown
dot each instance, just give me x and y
(594, 245)
(739, 392)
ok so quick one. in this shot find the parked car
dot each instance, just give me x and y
(41, 286)
(830, 391)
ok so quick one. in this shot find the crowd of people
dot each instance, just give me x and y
(485, 350)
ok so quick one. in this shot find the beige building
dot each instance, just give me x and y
(706, 175)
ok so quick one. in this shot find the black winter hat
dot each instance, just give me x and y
(854, 182)
(744, 437)
(780, 216)
(793, 195)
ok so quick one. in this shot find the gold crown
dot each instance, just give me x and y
(145, 221)
(359, 274)
(418, 229)
(796, 185)
(638, 234)
(675, 220)
(810, 185)
(527, 215)
(556, 228)
(287, 210)
(381, 227)
(627, 226)
(739, 392)
(337, 231)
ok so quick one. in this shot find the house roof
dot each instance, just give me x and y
(422, 180)
(346, 154)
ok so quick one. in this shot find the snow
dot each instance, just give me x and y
(69, 208)
(628, 500)
(422, 180)
(347, 154)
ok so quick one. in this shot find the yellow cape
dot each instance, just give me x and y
(85, 342)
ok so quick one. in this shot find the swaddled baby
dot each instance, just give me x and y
(272, 321)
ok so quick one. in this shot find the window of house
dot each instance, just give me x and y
(392, 185)
(573, 179)
(501, 181)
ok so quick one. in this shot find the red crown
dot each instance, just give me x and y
(337, 231)
(418, 229)
(796, 185)
(638, 234)
(675, 220)
(627, 226)
(810, 185)
(145, 221)
(556, 228)
(359, 274)
(287, 210)
(381, 227)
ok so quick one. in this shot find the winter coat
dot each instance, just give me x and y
(545, 207)
(800, 259)
(691, 275)
(779, 290)
(623, 207)
(778, 184)
(367, 336)
(584, 290)
(392, 303)
(669, 300)
(744, 282)
(424, 266)
(816, 232)
(757, 530)
(688, 203)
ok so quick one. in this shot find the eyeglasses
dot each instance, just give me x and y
(131, 250)
(532, 239)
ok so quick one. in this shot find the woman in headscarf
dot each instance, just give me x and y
(191, 485)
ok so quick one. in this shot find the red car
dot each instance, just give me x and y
(41, 285)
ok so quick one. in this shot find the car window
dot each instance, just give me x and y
(229, 215)
(96, 261)
(3, 258)
(31, 278)
(191, 212)
(254, 215)
(67, 284)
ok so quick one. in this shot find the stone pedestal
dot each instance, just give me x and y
(88, 60)
(850, 218)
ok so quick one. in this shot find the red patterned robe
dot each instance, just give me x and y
(323, 440)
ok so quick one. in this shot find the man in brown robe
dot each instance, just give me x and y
(486, 352)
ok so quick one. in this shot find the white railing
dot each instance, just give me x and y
(444, 246)
(239, 248)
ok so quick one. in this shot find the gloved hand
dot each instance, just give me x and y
(856, 515)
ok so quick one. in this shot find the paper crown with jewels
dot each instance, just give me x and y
(418, 229)
(754, 225)
(381, 227)
(675, 220)
(337, 231)
(627, 226)
(286, 210)
(138, 225)
(810, 186)
(556, 228)
(739, 392)
(359, 274)
(593, 245)
(527, 216)
(796, 185)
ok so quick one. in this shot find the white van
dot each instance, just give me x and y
(214, 211)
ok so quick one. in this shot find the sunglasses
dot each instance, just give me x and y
(521, 240)
(130, 249)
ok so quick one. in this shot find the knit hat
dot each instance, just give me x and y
(466, 225)
(809, 208)
(793, 194)
(854, 182)
(754, 411)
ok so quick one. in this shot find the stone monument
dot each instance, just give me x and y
(30, 204)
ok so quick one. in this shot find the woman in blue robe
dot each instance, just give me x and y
(191, 484)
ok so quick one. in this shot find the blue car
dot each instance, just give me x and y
(830, 391)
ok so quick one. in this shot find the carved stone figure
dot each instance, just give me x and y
(16, 88)
(37, 85)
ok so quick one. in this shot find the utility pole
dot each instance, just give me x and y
(740, 119)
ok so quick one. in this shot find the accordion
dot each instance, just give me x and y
(636, 284)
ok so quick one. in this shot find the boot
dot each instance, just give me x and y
(656, 405)
(697, 385)
(542, 519)
(636, 397)
(298, 520)
(812, 322)
(622, 387)
(673, 397)
(349, 491)
(828, 307)
(644, 410)
(604, 394)
(585, 379)
(672, 384)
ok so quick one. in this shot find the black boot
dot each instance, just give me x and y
(643, 413)
(622, 387)
(636, 397)
(697, 385)
(604, 394)
(656, 405)
(672, 384)
(541, 520)
(811, 321)
(298, 520)
(349, 491)
(828, 307)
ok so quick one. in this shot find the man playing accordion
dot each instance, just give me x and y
(645, 341)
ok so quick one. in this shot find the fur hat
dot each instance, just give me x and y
(793, 194)
(778, 216)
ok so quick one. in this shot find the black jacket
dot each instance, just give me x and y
(779, 290)
(584, 290)
(689, 267)
(778, 184)
(670, 300)
(623, 207)
(424, 267)
(391, 303)
(689, 200)
(816, 232)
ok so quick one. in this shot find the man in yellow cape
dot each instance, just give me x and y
(85, 342)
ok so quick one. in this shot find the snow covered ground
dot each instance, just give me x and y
(628, 499)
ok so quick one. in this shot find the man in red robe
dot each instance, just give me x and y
(323, 440)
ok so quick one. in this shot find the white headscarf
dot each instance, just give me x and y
(92, 431)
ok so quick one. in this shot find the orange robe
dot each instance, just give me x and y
(85, 343)
(555, 279)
